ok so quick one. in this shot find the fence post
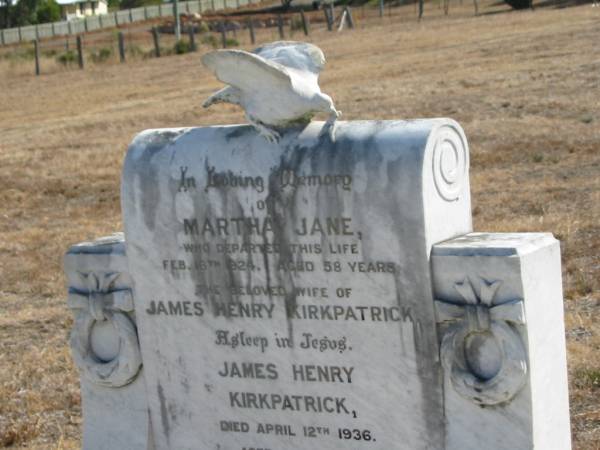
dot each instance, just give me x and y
(304, 23)
(280, 25)
(36, 47)
(37, 32)
(121, 46)
(19, 30)
(52, 28)
(85, 24)
(381, 6)
(328, 19)
(421, 9)
(145, 13)
(116, 19)
(130, 15)
(99, 20)
(223, 34)
(2, 37)
(192, 38)
(476, 7)
(80, 51)
(251, 28)
(200, 6)
(156, 41)
(212, 5)
(177, 20)
(349, 17)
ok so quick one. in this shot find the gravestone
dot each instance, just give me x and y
(320, 290)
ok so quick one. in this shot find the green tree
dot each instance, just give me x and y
(48, 11)
(126, 4)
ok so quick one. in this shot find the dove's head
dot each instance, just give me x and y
(324, 103)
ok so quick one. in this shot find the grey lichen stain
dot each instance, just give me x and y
(163, 411)
(231, 206)
(185, 382)
(284, 207)
(320, 156)
(148, 169)
(242, 131)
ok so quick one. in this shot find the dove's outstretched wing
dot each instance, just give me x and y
(245, 70)
(298, 55)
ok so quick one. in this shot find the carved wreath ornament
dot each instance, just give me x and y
(482, 352)
(101, 302)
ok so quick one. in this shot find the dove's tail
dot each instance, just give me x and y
(228, 94)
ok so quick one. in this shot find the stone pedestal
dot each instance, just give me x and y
(501, 331)
(105, 346)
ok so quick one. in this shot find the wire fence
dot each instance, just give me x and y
(114, 19)
(156, 38)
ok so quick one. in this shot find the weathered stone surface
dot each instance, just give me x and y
(286, 288)
(499, 303)
(105, 346)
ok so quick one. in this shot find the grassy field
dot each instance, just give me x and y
(524, 85)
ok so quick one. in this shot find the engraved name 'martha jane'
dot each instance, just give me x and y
(239, 226)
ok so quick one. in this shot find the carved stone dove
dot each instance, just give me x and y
(276, 85)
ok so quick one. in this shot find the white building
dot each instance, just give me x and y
(76, 9)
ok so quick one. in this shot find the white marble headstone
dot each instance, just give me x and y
(283, 291)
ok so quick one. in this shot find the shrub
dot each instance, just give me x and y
(296, 24)
(231, 42)
(101, 55)
(20, 54)
(202, 28)
(136, 51)
(182, 47)
(210, 39)
(67, 58)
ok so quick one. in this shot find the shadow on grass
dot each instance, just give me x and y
(524, 5)
(559, 4)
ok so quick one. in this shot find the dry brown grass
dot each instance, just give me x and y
(525, 86)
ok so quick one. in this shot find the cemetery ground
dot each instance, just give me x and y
(524, 85)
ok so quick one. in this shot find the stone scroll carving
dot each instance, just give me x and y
(450, 163)
(100, 302)
(481, 351)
